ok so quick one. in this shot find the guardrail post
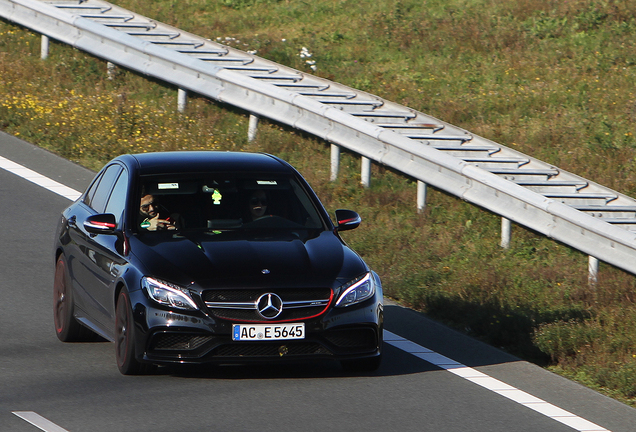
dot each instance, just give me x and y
(592, 268)
(365, 172)
(252, 127)
(421, 196)
(111, 70)
(505, 233)
(182, 100)
(44, 47)
(335, 162)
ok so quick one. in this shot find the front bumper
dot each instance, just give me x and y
(164, 337)
(184, 346)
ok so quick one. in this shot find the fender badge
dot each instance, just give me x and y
(265, 271)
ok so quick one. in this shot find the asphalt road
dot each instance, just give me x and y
(465, 385)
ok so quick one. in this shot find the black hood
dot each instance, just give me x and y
(248, 259)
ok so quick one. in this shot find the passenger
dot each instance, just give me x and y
(150, 217)
(258, 204)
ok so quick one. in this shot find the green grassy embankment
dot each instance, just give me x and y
(554, 80)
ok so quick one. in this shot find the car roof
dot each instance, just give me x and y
(204, 161)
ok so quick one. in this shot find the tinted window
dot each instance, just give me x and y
(117, 200)
(98, 201)
(90, 193)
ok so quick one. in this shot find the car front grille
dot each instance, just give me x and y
(271, 350)
(353, 338)
(241, 304)
(178, 341)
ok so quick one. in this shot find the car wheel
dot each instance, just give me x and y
(66, 326)
(125, 338)
(362, 365)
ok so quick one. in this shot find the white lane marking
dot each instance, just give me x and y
(38, 421)
(39, 179)
(430, 356)
(492, 384)
(67, 192)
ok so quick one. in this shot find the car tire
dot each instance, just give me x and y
(67, 328)
(362, 365)
(125, 338)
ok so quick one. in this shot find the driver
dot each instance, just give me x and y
(150, 217)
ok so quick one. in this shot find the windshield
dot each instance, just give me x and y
(224, 203)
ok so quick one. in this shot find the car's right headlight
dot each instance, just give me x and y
(356, 291)
(168, 294)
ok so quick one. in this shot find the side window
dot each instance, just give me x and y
(117, 201)
(90, 193)
(98, 202)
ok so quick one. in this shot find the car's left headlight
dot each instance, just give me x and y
(168, 294)
(356, 291)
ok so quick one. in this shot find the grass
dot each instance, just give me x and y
(551, 79)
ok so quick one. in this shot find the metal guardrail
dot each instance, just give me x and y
(587, 216)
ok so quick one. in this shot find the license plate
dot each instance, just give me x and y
(263, 332)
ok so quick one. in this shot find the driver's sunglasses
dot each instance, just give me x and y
(257, 201)
(145, 207)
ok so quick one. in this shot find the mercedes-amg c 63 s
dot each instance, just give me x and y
(213, 257)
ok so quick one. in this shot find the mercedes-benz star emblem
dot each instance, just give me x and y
(269, 306)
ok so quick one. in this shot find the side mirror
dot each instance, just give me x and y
(101, 224)
(347, 219)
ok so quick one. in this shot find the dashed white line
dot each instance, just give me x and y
(463, 371)
(492, 384)
(39, 179)
(38, 421)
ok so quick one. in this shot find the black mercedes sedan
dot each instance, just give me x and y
(213, 257)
